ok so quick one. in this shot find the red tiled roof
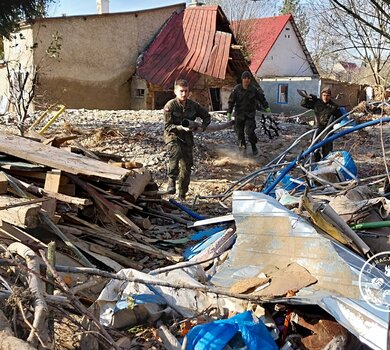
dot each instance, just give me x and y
(187, 46)
(262, 36)
(349, 66)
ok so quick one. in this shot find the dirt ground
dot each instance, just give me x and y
(138, 136)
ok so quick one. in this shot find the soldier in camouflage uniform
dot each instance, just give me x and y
(326, 111)
(244, 98)
(180, 140)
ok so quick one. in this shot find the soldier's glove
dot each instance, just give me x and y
(268, 110)
(229, 116)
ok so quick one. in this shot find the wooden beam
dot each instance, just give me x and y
(19, 235)
(114, 238)
(23, 215)
(61, 197)
(3, 183)
(111, 209)
(52, 181)
(59, 159)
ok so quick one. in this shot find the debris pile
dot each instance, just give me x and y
(90, 246)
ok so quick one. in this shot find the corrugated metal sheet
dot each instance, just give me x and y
(187, 46)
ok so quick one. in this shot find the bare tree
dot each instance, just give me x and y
(22, 79)
(294, 8)
(339, 35)
(382, 6)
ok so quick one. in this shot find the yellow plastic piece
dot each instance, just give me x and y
(52, 119)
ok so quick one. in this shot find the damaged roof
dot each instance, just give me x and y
(193, 42)
(264, 33)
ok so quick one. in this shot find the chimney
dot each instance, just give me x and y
(195, 3)
(103, 6)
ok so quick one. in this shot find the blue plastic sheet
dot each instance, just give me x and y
(197, 248)
(216, 335)
(206, 233)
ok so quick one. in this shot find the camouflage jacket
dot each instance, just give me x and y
(245, 101)
(325, 113)
(175, 113)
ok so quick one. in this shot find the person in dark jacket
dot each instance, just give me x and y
(325, 111)
(244, 98)
(179, 140)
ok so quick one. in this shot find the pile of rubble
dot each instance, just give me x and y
(91, 243)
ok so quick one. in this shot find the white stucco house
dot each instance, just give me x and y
(281, 62)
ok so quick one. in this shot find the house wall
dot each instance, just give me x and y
(343, 93)
(199, 92)
(286, 57)
(97, 57)
(272, 90)
(3, 80)
(18, 56)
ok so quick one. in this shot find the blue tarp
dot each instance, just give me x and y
(216, 335)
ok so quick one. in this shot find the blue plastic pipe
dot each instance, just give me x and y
(320, 144)
(186, 210)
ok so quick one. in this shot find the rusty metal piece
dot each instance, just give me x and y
(324, 331)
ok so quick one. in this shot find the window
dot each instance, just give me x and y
(282, 93)
(139, 93)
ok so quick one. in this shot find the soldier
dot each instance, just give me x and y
(178, 139)
(326, 111)
(244, 99)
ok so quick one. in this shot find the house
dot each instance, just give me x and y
(280, 61)
(92, 56)
(345, 71)
(198, 45)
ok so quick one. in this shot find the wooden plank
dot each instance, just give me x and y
(113, 238)
(52, 181)
(61, 197)
(19, 235)
(18, 165)
(36, 175)
(112, 210)
(59, 159)
(25, 216)
(3, 183)
(86, 248)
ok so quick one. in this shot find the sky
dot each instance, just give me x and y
(88, 7)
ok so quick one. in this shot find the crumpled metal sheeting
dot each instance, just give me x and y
(259, 243)
(269, 234)
(366, 323)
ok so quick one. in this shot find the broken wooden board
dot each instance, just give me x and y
(19, 165)
(19, 235)
(3, 183)
(59, 159)
(23, 215)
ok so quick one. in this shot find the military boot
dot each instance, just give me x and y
(171, 189)
(254, 149)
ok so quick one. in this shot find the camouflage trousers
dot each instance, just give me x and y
(325, 149)
(246, 126)
(180, 164)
